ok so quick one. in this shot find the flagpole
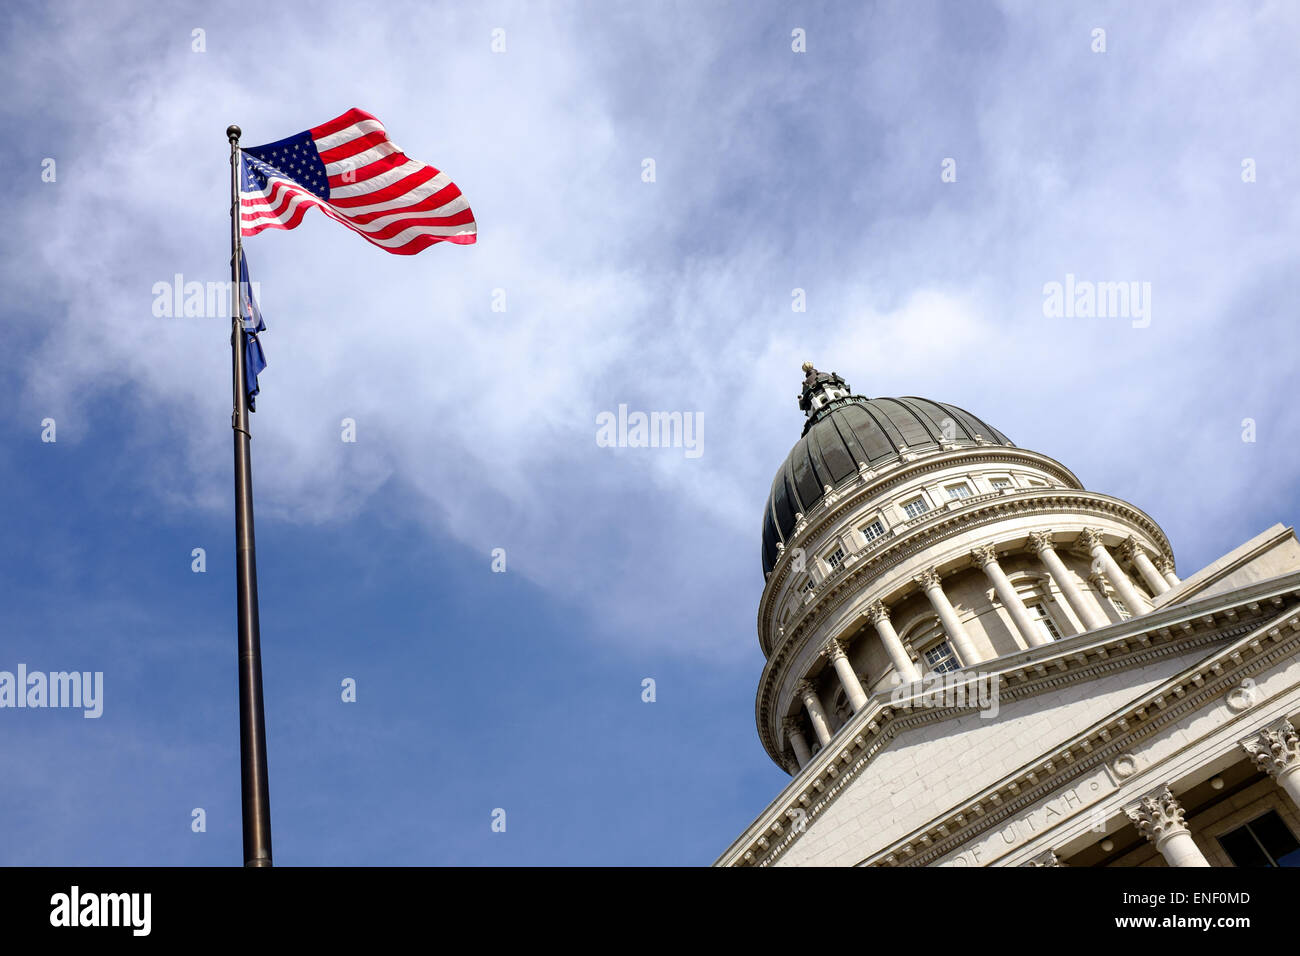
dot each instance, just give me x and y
(255, 786)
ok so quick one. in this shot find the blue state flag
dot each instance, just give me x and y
(254, 357)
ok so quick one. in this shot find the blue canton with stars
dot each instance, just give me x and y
(295, 158)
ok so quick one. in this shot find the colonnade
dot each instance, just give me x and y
(1086, 607)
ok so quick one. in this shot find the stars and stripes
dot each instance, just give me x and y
(350, 170)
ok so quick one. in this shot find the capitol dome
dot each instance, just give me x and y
(846, 434)
(973, 660)
(904, 536)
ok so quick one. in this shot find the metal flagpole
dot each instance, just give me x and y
(255, 787)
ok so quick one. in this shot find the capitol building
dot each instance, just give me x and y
(972, 660)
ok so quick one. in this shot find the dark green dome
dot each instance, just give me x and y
(844, 431)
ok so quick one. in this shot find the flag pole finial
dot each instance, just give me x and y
(233, 133)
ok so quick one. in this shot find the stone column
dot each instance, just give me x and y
(852, 686)
(1276, 751)
(1159, 818)
(794, 734)
(986, 557)
(878, 614)
(1088, 611)
(821, 726)
(1090, 541)
(1167, 569)
(1137, 554)
(952, 626)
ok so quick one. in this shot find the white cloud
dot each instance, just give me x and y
(675, 295)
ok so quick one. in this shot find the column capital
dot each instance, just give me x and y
(1275, 750)
(877, 612)
(1090, 539)
(928, 579)
(1130, 549)
(1165, 565)
(805, 688)
(834, 649)
(1158, 815)
(984, 555)
(1039, 541)
(1046, 858)
(791, 726)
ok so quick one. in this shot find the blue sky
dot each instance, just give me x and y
(774, 171)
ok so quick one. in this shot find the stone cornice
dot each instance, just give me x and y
(1260, 620)
(847, 583)
(855, 491)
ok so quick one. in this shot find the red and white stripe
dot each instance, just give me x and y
(398, 204)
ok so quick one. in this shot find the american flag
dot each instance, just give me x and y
(351, 171)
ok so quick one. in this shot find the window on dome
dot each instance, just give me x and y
(807, 586)
(1000, 483)
(1121, 608)
(916, 507)
(1037, 484)
(957, 491)
(941, 659)
(835, 558)
(873, 531)
(1043, 621)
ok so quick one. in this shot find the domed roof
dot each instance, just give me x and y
(846, 430)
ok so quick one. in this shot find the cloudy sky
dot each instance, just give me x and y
(1168, 159)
